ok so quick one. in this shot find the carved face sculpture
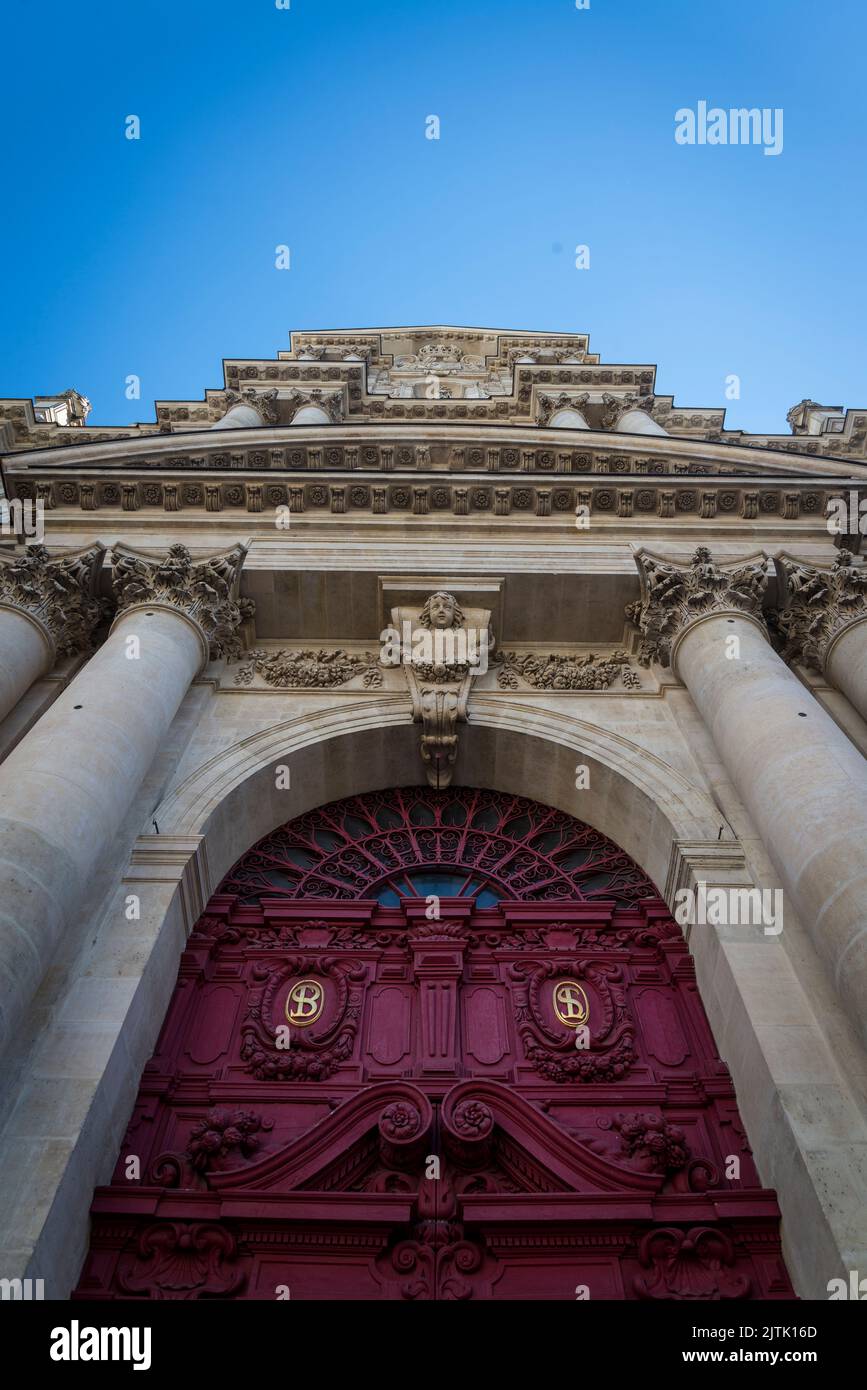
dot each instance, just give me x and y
(442, 609)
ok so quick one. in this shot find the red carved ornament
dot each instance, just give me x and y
(367, 1084)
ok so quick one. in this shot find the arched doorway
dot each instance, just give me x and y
(435, 1045)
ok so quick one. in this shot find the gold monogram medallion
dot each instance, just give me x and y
(305, 1002)
(570, 1003)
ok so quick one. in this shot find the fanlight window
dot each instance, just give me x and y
(413, 841)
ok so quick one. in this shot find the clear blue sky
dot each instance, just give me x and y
(306, 126)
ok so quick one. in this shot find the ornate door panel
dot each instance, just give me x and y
(435, 1045)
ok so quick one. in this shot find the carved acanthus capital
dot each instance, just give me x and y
(549, 406)
(819, 603)
(263, 402)
(329, 401)
(614, 407)
(206, 590)
(57, 591)
(674, 596)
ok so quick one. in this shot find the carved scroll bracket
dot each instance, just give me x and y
(441, 647)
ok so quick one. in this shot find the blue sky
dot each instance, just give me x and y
(306, 127)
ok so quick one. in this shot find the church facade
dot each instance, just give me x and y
(433, 835)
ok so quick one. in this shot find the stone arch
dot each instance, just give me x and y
(633, 797)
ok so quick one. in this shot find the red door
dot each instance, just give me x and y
(434, 1045)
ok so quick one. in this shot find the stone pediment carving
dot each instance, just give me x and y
(441, 647)
(492, 1140)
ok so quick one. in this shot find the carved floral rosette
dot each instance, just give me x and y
(313, 1053)
(553, 1053)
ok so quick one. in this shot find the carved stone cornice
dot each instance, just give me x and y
(673, 597)
(205, 591)
(58, 592)
(820, 603)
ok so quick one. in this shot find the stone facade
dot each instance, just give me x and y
(674, 645)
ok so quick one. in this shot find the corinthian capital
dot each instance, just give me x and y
(57, 591)
(819, 603)
(673, 596)
(205, 590)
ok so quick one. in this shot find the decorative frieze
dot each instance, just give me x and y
(322, 669)
(58, 591)
(566, 671)
(205, 590)
(819, 604)
(673, 596)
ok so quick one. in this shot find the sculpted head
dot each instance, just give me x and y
(441, 610)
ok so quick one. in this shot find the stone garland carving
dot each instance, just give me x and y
(206, 590)
(441, 647)
(323, 669)
(820, 604)
(673, 596)
(58, 591)
(563, 672)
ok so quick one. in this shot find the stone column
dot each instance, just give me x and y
(823, 617)
(801, 779)
(66, 788)
(48, 609)
(248, 410)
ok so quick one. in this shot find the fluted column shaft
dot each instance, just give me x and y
(67, 787)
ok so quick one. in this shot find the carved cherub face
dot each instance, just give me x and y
(441, 610)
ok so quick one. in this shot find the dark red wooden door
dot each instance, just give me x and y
(435, 1045)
